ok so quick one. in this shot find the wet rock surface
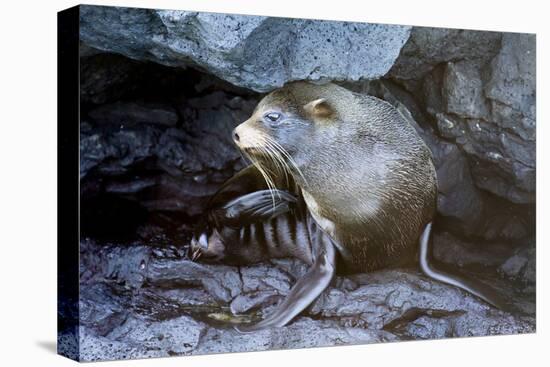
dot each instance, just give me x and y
(156, 122)
(160, 304)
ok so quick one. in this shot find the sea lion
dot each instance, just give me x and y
(364, 182)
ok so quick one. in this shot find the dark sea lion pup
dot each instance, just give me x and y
(349, 171)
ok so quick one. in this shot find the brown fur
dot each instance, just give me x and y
(368, 177)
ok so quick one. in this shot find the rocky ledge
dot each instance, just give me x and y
(138, 301)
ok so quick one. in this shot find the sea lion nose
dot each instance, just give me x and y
(235, 136)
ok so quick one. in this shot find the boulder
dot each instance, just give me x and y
(428, 47)
(479, 88)
(259, 53)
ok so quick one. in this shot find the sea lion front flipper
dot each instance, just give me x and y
(259, 206)
(306, 289)
(247, 180)
(245, 196)
(434, 270)
(256, 206)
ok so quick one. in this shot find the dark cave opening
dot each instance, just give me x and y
(155, 145)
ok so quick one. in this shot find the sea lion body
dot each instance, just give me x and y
(363, 188)
(367, 177)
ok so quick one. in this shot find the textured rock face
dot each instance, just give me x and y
(165, 150)
(155, 145)
(429, 47)
(480, 91)
(161, 304)
(259, 53)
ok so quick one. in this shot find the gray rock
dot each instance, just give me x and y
(502, 146)
(304, 333)
(480, 88)
(458, 199)
(521, 265)
(512, 92)
(428, 47)
(187, 297)
(119, 147)
(384, 297)
(432, 92)
(259, 53)
(504, 164)
(492, 118)
(97, 348)
(452, 250)
(102, 308)
(389, 299)
(124, 265)
(118, 281)
(513, 76)
(463, 88)
(426, 327)
(183, 307)
(446, 325)
(223, 285)
(254, 300)
(142, 339)
(264, 284)
(104, 77)
(176, 336)
(265, 276)
(69, 343)
(481, 325)
(184, 165)
(514, 265)
(293, 267)
(130, 113)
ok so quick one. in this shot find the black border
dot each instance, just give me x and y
(68, 206)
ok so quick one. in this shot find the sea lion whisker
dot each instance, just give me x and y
(269, 182)
(277, 162)
(280, 162)
(282, 154)
(268, 151)
(276, 153)
(291, 160)
(271, 174)
(243, 156)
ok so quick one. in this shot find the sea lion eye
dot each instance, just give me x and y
(272, 116)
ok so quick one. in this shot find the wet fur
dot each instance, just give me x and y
(365, 186)
(367, 170)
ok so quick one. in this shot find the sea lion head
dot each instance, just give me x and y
(353, 156)
(286, 125)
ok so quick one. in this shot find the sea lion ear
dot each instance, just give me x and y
(319, 108)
